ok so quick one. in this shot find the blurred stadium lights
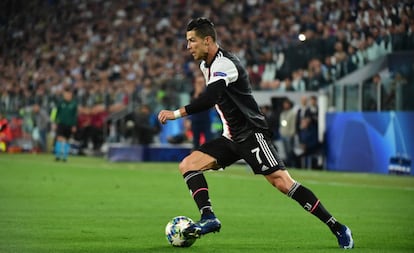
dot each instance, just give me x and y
(302, 37)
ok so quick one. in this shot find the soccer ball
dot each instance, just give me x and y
(173, 232)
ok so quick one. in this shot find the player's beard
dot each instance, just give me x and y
(197, 55)
(200, 56)
(205, 55)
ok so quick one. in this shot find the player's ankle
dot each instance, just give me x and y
(207, 213)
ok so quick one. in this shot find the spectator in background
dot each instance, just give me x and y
(329, 70)
(361, 53)
(313, 109)
(339, 60)
(272, 118)
(41, 122)
(287, 129)
(384, 41)
(298, 83)
(149, 93)
(409, 38)
(99, 115)
(84, 129)
(200, 122)
(308, 139)
(5, 133)
(146, 125)
(373, 92)
(286, 85)
(352, 60)
(308, 133)
(302, 112)
(255, 77)
(373, 50)
(316, 78)
(267, 70)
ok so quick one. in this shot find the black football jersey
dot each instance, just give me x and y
(238, 110)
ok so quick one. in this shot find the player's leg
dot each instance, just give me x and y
(58, 148)
(62, 146)
(66, 134)
(66, 149)
(264, 159)
(192, 167)
(282, 180)
(212, 155)
(59, 142)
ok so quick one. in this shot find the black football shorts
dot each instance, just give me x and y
(257, 150)
(64, 131)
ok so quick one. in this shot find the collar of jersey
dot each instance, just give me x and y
(208, 65)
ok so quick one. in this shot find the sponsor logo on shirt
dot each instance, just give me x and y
(219, 74)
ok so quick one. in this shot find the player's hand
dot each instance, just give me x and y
(165, 115)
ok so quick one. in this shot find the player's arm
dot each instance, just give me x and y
(205, 101)
(165, 115)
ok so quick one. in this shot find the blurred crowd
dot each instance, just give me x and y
(117, 53)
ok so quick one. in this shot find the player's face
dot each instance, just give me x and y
(67, 95)
(197, 46)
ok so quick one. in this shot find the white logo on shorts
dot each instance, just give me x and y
(264, 167)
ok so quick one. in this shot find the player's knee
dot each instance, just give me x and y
(184, 166)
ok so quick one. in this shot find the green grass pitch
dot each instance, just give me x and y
(92, 205)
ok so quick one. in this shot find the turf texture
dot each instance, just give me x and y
(92, 205)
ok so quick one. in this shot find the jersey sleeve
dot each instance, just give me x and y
(223, 68)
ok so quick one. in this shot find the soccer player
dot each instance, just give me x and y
(245, 135)
(65, 116)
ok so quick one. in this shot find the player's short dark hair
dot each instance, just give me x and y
(67, 89)
(203, 27)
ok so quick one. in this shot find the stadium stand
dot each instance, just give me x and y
(119, 55)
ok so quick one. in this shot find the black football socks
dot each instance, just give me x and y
(197, 184)
(311, 203)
